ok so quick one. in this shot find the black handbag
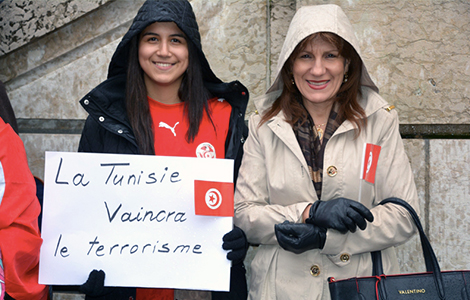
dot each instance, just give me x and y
(433, 284)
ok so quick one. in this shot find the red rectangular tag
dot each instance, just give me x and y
(371, 158)
(213, 198)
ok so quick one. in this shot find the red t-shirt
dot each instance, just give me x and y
(170, 126)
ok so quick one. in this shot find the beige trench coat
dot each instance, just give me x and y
(274, 186)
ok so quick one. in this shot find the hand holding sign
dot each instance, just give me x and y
(236, 242)
(94, 286)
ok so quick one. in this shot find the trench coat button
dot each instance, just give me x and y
(345, 257)
(86, 102)
(120, 131)
(101, 119)
(332, 171)
(315, 270)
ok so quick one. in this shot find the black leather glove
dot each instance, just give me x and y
(94, 286)
(300, 237)
(236, 241)
(341, 214)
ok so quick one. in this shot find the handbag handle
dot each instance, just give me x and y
(429, 256)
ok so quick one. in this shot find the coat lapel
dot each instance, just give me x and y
(285, 133)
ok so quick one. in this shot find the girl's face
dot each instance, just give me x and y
(318, 72)
(163, 55)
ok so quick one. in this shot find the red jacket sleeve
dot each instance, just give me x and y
(20, 240)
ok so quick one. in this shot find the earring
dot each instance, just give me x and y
(345, 77)
(293, 82)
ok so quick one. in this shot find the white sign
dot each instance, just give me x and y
(132, 216)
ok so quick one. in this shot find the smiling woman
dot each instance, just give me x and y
(298, 191)
(163, 56)
(318, 71)
(162, 98)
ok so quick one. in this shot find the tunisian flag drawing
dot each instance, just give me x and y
(213, 198)
(371, 156)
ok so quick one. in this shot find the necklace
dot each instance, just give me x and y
(319, 130)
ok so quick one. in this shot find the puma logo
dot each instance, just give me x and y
(165, 125)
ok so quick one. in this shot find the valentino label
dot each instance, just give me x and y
(205, 150)
(165, 125)
(413, 291)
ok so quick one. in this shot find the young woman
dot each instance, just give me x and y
(299, 192)
(162, 98)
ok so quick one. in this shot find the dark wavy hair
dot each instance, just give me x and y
(192, 92)
(348, 94)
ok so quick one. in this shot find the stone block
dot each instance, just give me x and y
(73, 40)
(234, 40)
(409, 254)
(449, 207)
(22, 21)
(68, 296)
(36, 146)
(56, 94)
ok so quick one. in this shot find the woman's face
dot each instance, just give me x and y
(318, 72)
(163, 54)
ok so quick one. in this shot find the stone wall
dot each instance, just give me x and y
(53, 52)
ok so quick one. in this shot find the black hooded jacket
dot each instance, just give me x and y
(107, 128)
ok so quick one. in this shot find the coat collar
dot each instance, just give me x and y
(284, 132)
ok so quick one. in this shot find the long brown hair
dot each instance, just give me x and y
(348, 94)
(192, 92)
